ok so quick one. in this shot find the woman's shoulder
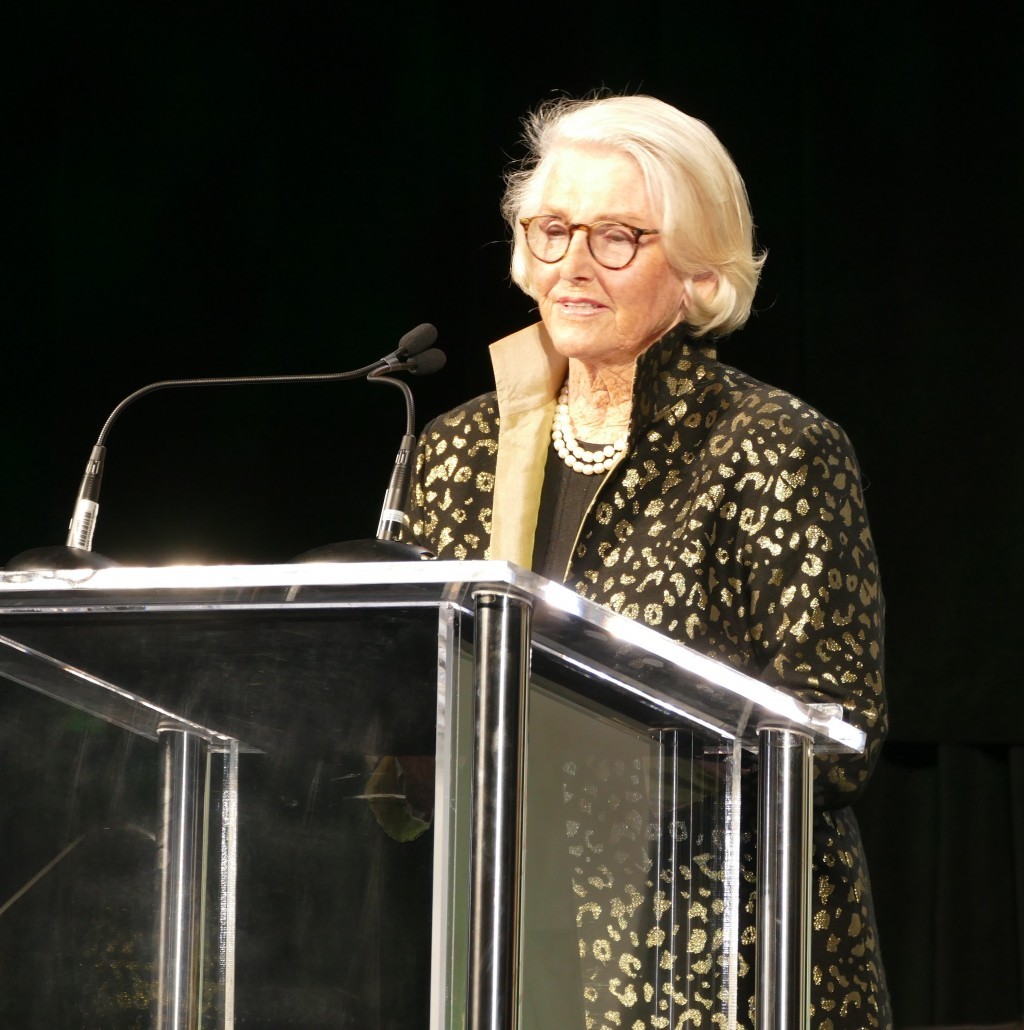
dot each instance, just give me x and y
(478, 416)
(760, 413)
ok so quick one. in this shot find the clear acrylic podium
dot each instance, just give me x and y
(417, 794)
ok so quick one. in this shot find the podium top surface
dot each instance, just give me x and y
(675, 684)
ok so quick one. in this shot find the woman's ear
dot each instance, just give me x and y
(705, 284)
(698, 289)
(701, 286)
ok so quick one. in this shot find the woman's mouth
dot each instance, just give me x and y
(579, 307)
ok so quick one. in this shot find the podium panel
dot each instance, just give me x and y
(626, 880)
(313, 842)
(434, 795)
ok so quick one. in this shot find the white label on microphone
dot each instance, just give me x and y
(394, 515)
(83, 523)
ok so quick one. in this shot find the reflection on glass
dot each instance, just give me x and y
(624, 895)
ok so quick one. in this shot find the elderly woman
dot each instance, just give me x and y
(620, 456)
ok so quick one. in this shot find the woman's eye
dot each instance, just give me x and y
(556, 230)
(616, 234)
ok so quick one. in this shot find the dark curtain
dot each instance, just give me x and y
(944, 827)
(220, 189)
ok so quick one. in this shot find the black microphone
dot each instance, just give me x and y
(415, 341)
(428, 363)
(413, 354)
(388, 544)
(392, 516)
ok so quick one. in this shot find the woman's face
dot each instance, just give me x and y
(600, 316)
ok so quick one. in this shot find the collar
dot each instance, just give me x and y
(665, 374)
(528, 373)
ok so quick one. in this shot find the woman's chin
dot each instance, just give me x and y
(588, 342)
(595, 349)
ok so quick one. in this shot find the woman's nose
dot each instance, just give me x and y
(578, 262)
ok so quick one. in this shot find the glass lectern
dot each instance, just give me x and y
(428, 794)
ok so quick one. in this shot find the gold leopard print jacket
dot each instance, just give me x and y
(736, 525)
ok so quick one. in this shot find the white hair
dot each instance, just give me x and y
(691, 180)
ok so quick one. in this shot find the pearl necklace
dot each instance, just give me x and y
(590, 463)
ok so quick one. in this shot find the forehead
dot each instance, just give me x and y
(588, 184)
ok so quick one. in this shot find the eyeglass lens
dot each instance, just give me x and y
(611, 243)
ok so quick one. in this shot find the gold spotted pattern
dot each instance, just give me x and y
(736, 525)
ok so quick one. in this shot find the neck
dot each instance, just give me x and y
(600, 401)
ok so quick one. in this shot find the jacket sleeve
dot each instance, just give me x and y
(419, 521)
(452, 482)
(815, 619)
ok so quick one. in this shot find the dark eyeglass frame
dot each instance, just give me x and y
(573, 226)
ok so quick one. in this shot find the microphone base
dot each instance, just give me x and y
(366, 551)
(50, 559)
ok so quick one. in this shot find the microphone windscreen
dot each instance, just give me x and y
(428, 363)
(417, 340)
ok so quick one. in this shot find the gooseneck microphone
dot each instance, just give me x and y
(392, 516)
(387, 545)
(415, 353)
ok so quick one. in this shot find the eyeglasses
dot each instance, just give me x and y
(612, 244)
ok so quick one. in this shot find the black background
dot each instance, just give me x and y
(231, 189)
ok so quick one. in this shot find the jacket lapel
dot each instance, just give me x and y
(527, 373)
